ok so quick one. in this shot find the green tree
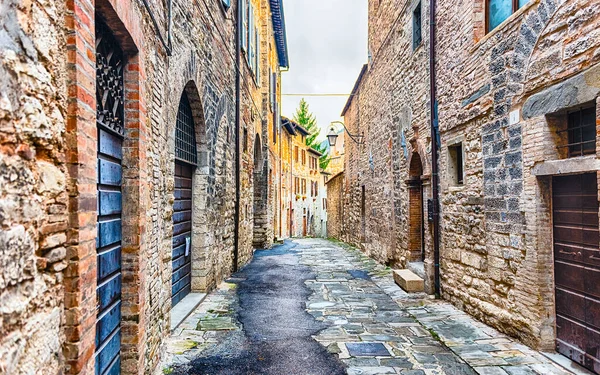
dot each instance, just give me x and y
(308, 121)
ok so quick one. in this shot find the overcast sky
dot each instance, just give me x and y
(327, 42)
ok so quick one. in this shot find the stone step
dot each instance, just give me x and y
(409, 281)
(418, 268)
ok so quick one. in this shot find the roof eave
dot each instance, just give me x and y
(354, 89)
(278, 18)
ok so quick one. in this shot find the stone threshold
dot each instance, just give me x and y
(184, 308)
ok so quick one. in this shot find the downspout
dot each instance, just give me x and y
(292, 186)
(434, 149)
(280, 151)
(166, 44)
(238, 47)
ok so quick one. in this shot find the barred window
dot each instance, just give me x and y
(185, 134)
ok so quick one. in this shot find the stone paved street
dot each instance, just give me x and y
(270, 316)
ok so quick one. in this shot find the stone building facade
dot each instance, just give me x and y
(335, 205)
(118, 156)
(302, 198)
(519, 118)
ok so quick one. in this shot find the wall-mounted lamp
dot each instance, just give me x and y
(332, 136)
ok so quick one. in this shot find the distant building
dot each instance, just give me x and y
(303, 197)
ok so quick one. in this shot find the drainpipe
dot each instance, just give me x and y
(434, 149)
(238, 47)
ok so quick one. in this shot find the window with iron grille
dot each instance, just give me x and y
(581, 130)
(417, 26)
(185, 134)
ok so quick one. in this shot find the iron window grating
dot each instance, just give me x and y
(417, 37)
(110, 96)
(581, 132)
(185, 134)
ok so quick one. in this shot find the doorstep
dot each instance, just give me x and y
(184, 308)
(566, 363)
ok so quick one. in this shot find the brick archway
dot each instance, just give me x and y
(415, 210)
(82, 140)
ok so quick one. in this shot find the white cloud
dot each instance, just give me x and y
(327, 42)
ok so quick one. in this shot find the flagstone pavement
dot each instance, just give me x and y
(364, 323)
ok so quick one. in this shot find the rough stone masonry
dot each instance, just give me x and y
(49, 176)
(504, 96)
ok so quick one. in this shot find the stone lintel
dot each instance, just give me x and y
(577, 90)
(567, 166)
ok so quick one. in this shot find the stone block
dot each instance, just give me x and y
(409, 281)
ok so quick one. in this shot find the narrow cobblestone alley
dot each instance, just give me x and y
(312, 306)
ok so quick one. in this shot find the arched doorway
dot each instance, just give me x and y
(416, 223)
(110, 123)
(260, 197)
(186, 160)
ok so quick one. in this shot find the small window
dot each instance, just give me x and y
(245, 140)
(363, 201)
(581, 131)
(498, 11)
(303, 157)
(455, 164)
(417, 26)
(296, 154)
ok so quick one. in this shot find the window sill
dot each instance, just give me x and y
(456, 188)
(513, 17)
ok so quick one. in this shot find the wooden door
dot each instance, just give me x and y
(304, 226)
(110, 125)
(182, 233)
(186, 158)
(577, 268)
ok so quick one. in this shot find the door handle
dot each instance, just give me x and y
(594, 258)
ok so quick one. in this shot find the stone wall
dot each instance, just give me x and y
(48, 147)
(390, 109)
(502, 97)
(335, 206)
(33, 181)
(497, 260)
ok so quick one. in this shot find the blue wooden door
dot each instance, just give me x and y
(185, 164)
(109, 121)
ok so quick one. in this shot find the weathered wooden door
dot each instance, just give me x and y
(182, 232)
(110, 124)
(577, 268)
(185, 164)
(304, 231)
